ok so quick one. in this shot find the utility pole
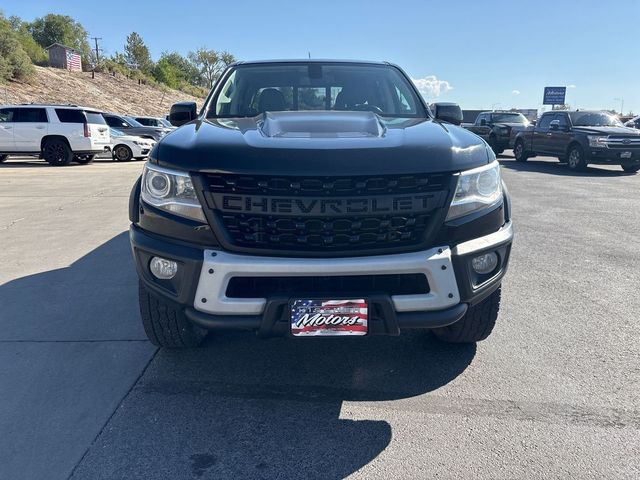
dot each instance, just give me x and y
(95, 39)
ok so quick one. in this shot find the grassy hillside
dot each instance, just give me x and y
(113, 94)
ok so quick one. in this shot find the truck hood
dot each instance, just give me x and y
(512, 125)
(321, 143)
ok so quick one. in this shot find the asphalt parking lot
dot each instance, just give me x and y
(553, 393)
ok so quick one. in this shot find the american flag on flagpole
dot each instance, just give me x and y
(74, 61)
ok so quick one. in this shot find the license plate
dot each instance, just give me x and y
(318, 318)
(625, 155)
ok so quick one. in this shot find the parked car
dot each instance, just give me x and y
(59, 134)
(154, 122)
(130, 126)
(319, 198)
(498, 129)
(579, 138)
(127, 147)
(633, 123)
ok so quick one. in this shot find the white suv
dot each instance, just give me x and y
(59, 134)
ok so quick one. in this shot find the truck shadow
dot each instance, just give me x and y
(285, 408)
(93, 299)
(240, 407)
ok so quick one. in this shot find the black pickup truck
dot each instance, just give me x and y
(498, 129)
(579, 138)
(318, 198)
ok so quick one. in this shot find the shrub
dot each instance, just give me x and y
(15, 64)
(193, 90)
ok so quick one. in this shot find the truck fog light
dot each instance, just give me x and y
(162, 268)
(485, 263)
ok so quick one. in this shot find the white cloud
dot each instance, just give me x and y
(515, 92)
(431, 87)
(571, 86)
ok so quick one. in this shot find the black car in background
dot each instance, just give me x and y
(633, 123)
(130, 126)
(498, 129)
(579, 138)
(154, 122)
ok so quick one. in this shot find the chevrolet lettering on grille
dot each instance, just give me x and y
(319, 207)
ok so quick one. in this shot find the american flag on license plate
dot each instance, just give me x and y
(74, 62)
(329, 317)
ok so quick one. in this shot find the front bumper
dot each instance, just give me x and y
(200, 287)
(613, 156)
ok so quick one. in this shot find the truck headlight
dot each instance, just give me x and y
(477, 189)
(597, 141)
(172, 191)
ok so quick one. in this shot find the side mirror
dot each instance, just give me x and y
(183, 112)
(483, 122)
(448, 112)
(554, 125)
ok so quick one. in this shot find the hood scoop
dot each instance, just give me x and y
(321, 124)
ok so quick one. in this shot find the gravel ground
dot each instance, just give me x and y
(553, 392)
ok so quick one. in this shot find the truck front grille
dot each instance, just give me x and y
(326, 234)
(359, 214)
(623, 142)
(266, 287)
(326, 186)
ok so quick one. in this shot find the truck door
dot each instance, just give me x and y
(30, 126)
(6, 130)
(482, 125)
(542, 134)
(560, 137)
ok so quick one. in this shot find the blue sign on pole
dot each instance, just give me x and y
(554, 95)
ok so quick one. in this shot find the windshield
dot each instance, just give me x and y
(254, 89)
(133, 122)
(509, 118)
(115, 132)
(594, 119)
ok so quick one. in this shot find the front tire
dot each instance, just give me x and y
(122, 153)
(57, 153)
(626, 168)
(519, 152)
(166, 325)
(477, 323)
(575, 159)
(493, 143)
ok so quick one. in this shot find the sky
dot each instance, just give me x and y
(478, 53)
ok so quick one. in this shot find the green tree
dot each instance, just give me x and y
(14, 61)
(186, 71)
(137, 53)
(166, 73)
(53, 28)
(210, 64)
(36, 53)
